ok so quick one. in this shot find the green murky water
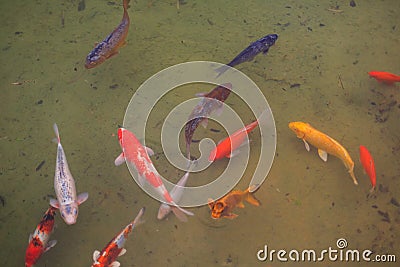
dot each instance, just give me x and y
(307, 204)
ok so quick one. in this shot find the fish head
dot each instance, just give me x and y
(69, 213)
(95, 58)
(217, 208)
(270, 39)
(299, 128)
(374, 74)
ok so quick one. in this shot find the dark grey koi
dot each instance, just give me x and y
(248, 54)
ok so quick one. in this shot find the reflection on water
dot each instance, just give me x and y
(316, 72)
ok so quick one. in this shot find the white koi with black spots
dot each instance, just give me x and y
(64, 185)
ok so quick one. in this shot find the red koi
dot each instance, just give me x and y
(111, 44)
(39, 240)
(369, 166)
(115, 248)
(385, 77)
(227, 147)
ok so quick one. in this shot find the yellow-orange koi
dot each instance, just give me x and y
(325, 144)
(224, 206)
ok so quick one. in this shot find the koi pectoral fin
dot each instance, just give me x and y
(115, 264)
(82, 197)
(54, 203)
(96, 255)
(112, 54)
(120, 159)
(231, 216)
(50, 244)
(306, 145)
(123, 251)
(149, 151)
(323, 155)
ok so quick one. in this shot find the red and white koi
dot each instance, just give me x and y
(64, 185)
(39, 240)
(137, 154)
(115, 248)
(176, 194)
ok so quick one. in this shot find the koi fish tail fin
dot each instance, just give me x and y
(221, 70)
(57, 139)
(263, 118)
(125, 4)
(353, 176)
(138, 220)
(251, 198)
(181, 213)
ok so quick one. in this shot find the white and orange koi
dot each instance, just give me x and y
(64, 185)
(115, 248)
(134, 152)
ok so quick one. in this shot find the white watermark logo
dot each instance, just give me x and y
(175, 78)
(340, 253)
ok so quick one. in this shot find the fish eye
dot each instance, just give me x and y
(75, 211)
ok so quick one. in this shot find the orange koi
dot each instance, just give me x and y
(369, 166)
(39, 240)
(115, 248)
(227, 147)
(325, 144)
(385, 77)
(111, 44)
(224, 206)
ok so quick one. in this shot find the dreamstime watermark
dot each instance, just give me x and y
(340, 253)
(151, 93)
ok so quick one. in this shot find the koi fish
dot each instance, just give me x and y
(115, 248)
(39, 240)
(324, 143)
(134, 152)
(210, 102)
(176, 194)
(385, 77)
(111, 44)
(227, 147)
(64, 185)
(369, 166)
(248, 54)
(224, 206)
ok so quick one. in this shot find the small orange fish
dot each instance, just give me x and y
(369, 166)
(324, 143)
(383, 76)
(224, 206)
(111, 44)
